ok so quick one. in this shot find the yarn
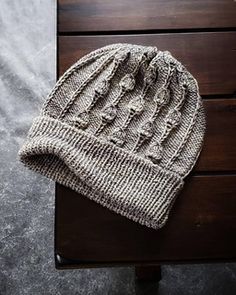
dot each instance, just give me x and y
(124, 126)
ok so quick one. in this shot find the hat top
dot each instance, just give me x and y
(136, 97)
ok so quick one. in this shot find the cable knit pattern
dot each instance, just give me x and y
(124, 126)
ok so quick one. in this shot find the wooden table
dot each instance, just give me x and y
(202, 223)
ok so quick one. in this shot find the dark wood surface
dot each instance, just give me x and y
(148, 273)
(210, 57)
(219, 152)
(202, 222)
(113, 15)
(201, 227)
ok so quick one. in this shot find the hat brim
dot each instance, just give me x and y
(113, 177)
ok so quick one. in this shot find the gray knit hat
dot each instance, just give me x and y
(123, 126)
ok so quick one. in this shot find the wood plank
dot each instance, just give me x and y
(201, 227)
(219, 153)
(210, 57)
(100, 15)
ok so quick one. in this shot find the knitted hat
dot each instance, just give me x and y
(123, 126)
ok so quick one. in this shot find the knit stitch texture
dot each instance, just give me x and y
(123, 126)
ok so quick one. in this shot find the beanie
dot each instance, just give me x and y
(122, 126)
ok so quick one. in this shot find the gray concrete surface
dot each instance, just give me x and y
(27, 73)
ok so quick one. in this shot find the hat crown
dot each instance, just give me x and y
(136, 97)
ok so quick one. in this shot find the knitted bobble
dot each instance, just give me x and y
(162, 97)
(102, 88)
(180, 68)
(118, 137)
(109, 113)
(81, 121)
(121, 56)
(136, 105)
(173, 118)
(127, 83)
(151, 54)
(155, 152)
(150, 76)
(146, 130)
(183, 79)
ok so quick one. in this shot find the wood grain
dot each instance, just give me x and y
(210, 57)
(219, 152)
(100, 15)
(201, 227)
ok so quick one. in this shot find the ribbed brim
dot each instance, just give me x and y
(123, 182)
